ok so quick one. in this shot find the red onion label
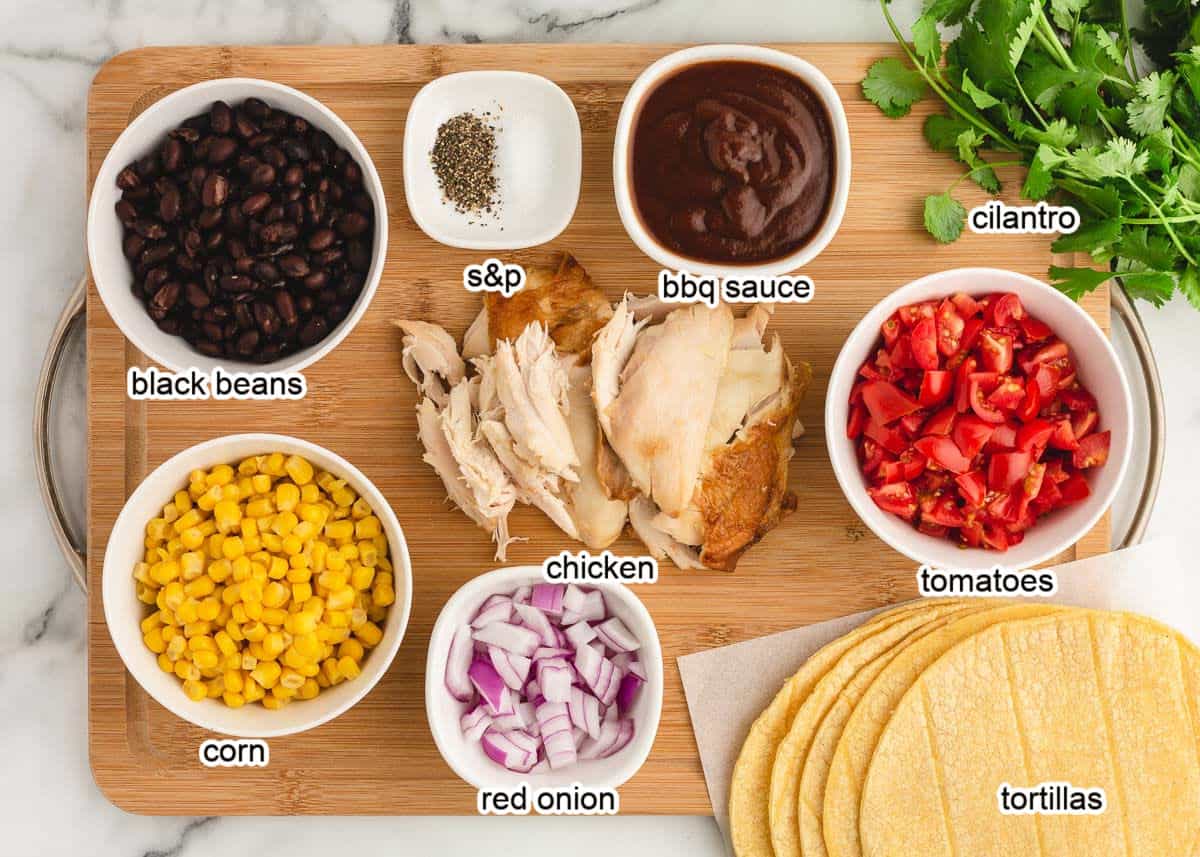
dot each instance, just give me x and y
(583, 567)
(575, 799)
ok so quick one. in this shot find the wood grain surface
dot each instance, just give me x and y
(380, 758)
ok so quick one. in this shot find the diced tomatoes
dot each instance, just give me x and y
(1093, 451)
(971, 423)
(936, 387)
(924, 344)
(943, 452)
(996, 351)
(886, 402)
(897, 498)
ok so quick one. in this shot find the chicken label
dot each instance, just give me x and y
(492, 275)
(583, 567)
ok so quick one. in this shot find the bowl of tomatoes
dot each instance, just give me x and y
(977, 418)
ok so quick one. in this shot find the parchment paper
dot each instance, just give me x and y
(728, 687)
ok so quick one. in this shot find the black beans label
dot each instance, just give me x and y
(1050, 799)
(154, 384)
(583, 567)
(235, 753)
(940, 583)
(575, 799)
(996, 218)
(684, 288)
(492, 275)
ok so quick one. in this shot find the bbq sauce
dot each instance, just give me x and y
(733, 162)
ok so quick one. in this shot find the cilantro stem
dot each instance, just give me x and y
(986, 165)
(1129, 52)
(1166, 224)
(978, 121)
(1048, 38)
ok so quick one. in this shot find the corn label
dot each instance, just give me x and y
(153, 384)
(235, 753)
(575, 799)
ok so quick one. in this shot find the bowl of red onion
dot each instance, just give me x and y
(545, 683)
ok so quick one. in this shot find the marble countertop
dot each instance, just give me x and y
(49, 51)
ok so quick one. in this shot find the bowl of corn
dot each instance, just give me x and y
(257, 585)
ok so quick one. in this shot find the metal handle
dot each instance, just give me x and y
(1128, 313)
(73, 548)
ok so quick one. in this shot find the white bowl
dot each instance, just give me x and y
(111, 270)
(666, 67)
(123, 612)
(539, 159)
(1099, 370)
(467, 758)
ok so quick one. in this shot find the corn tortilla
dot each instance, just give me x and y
(1093, 699)
(789, 758)
(748, 791)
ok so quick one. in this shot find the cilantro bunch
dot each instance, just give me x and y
(1054, 86)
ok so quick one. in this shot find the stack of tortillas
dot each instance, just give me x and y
(894, 740)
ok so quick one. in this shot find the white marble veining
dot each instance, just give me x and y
(49, 51)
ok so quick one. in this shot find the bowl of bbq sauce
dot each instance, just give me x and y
(732, 158)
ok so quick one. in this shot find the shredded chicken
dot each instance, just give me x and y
(430, 359)
(642, 515)
(599, 518)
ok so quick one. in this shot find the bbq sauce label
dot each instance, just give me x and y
(1050, 799)
(235, 753)
(940, 583)
(684, 288)
(575, 799)
(156, 385)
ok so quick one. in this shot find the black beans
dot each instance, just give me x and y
(247, 230)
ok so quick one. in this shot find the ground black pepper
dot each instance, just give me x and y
(464, 161)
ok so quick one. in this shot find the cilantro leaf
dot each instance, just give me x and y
(1189, 182)
(1150, 251)
(948, 11)
(1024, 32)
(1155, 287)
(927, 41)
(1148, 111)
(1066, 12)
(1120, 158)
(944, 217)
(982, 99)
(893, 87)
(1077, 282)
(1098, 234)
(1189, 285)
(1058, 134)
(1039, 180)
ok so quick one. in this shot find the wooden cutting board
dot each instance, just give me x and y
(380, 757)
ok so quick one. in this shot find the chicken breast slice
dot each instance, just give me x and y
(531, 386)
(477, 341)
(430, 358)
(611, 350)
(598, 519)
(534, 487)
(492, 492)
(751, 375)
(642, 514)
(658, 421)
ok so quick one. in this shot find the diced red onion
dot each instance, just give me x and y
(535, 620)
(474, 723)
(502, 750)
(579, 634)
(554, 677)
(627, 693)
(548, 597)
(491, 687)
(542, 689)
(511, 638)
(458, 661)
(616, 636)
(497, 608)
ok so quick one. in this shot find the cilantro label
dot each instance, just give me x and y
(996, 218)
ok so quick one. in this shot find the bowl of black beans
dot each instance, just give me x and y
(237, 223)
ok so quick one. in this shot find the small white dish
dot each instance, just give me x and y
(539, 159)
(1099, 370)
(467, 759)
(668, 66)
(123, 612)
(111, 271)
